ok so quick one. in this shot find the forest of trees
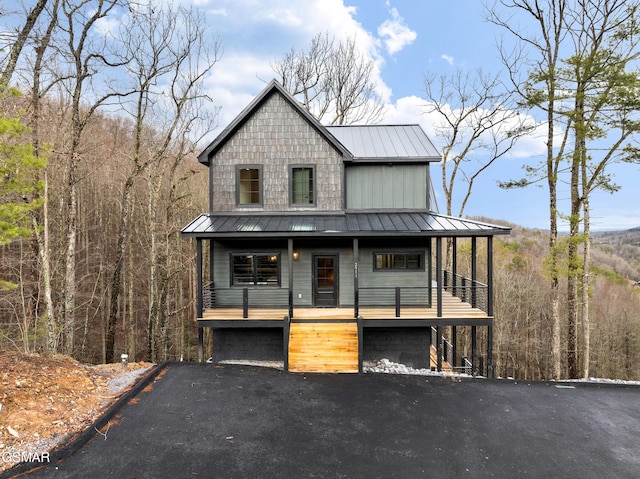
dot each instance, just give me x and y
(98, 137)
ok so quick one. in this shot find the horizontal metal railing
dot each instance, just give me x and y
(398, 297)
(473, 292)
(456, 362)
(248, 298)
(466, 289)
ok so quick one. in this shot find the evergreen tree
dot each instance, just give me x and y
(20, 183)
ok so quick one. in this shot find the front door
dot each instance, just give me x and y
(325, 280)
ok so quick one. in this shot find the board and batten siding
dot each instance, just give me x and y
(303, 272)
(275, 137)
(231, 296)
(377, 287)
(387, 186)
(259, 296)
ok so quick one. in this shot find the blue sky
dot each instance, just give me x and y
(407, 39)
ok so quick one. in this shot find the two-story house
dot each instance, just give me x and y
(322, 248)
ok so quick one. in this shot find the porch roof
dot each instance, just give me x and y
(349, 224)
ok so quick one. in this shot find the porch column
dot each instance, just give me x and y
(454, 256)
(474, 270)
(199, 275)
(490, 351)
(439, 347)
(201, 344)
(474, 349)
(439, 301)
(430, 272)
(290, 256)
(454, 264)
(490, 275)
(200, 302)
(211, 261)
(490, 306)
(454, 343)
(439, 276)
(356, 293)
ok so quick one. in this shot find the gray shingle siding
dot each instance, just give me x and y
(275, 137)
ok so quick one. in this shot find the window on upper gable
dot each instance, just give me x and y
(302, 185)
(249, 185)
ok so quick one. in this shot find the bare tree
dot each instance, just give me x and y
(167, 52)
(333, 80)
(20, 39)
(87, 56)
(41, 45)
(479, 125)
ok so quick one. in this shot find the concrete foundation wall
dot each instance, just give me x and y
(256, 344)
(409, 346)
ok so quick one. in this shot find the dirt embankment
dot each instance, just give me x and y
(45, 401)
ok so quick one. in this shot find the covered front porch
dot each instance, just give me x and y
(443, 312)
(381, 273)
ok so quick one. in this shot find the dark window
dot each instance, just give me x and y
(255, 269)
(398, 261)
(302, 185)
(249, 185)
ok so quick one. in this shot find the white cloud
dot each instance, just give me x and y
(447, 58)
(254, 33)
(396, 35)
(222, 12)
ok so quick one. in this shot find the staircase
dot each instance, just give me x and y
(434, 361)
(323, 347)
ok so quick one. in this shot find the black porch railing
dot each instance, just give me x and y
(208, 296)
(466, 289)
(249, 298)
(458, 363)
(473, 292)
(398, 297)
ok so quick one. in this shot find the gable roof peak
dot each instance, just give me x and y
(273, 87)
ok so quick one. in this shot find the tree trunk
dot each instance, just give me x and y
(579, 158)
(586, 279)
(42, 238)
(552, 181)
(131, 333)
(116, 278)
(68, 321)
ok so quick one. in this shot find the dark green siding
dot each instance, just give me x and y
(382, 282)
(387, 186)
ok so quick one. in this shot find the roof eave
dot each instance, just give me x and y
(396, 159)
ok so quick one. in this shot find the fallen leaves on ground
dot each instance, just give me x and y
(47, 400)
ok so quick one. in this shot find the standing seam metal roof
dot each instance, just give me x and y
(386, 142)
(350, 224)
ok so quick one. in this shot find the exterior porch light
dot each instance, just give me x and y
(296, 255)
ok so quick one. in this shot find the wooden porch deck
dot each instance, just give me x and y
(452, 308)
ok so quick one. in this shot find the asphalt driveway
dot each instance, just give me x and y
(235, 421)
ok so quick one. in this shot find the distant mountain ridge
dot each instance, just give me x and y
(615, 250)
